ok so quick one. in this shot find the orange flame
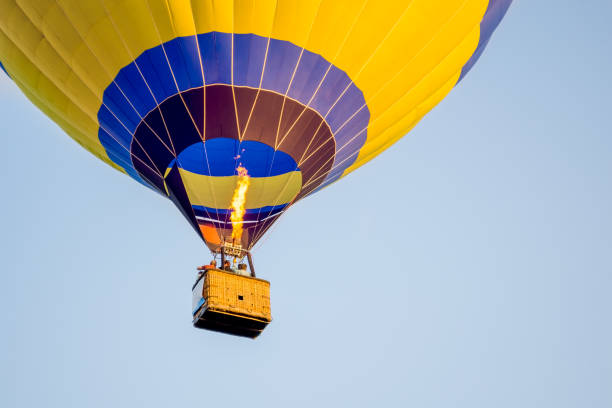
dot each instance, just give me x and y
(238, 202)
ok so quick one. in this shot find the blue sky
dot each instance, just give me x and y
(492, 288)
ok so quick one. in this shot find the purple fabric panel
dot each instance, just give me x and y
(334, 83)
(494, 14)
(280, 64)
(349, 103)
(308, 76)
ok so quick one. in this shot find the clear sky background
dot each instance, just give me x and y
(493, 287)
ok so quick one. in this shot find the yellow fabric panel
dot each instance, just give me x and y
(173, 18)
(396, 75)
(90, 20)
(75, 134)
(37, 84)
(24, 35)
(217, 192)
(254, 16)
(135, 24)
(52, 101)
(418, 87)
(443, 77)
(374, 24)
(429, 41)
(54, 24)
(403, 126)
(213, 15)
(294, 20)
(259, 17)
(334, 22)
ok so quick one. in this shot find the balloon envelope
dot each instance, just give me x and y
(178, 94)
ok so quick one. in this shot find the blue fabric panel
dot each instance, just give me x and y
(156, 72)
(280, 64)
(184, 59)
(349, 103)
(120, 157)
(249, 56)
(310, 73)
(494, 14)
(110, 124)
(256, 157)
(134, 87)
(215, 49)
(117, 154)
(128, 168)
(116, 102)
(114, 149)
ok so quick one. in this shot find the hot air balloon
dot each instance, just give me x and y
(237, 109)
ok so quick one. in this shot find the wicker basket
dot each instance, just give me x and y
(233, 304)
